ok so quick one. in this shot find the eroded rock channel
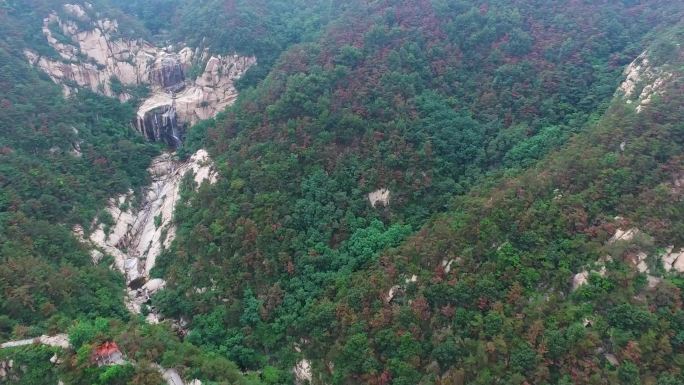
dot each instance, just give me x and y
(186, 85)
(141, 231)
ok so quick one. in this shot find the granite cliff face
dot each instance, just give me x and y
(91, 54)
(178, 103)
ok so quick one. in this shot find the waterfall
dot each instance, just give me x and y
(170, 121)
(161, 124)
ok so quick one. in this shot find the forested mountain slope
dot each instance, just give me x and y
(499, 295)
(60, 161)
(427, 100)
(407, 192)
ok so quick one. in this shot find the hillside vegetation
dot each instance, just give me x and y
(433, 100)
(494, 130)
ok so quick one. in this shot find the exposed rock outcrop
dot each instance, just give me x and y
(171, 376)
(381, 197)
(141, 232)
(302, 372)
(399, 289)
(446, 265)
(90, 55)
(672, 261)
(623, 235)
(5, 369)
(642, 82)
(163, 112)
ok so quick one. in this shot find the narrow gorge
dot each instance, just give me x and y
(90, 53)
(142, 229)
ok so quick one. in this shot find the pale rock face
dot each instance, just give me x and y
(154, 285)
(302, 372)
(139, 234)
(673, 260)
(678, 264)
(57, 341)
(381, 196)
(391, 293)
(93, 56)
(612, 359)
(397, 289)
(5, 367)
(641, 72)
(633, 74)
(447, 265)
(624, 235)
(580, 279)
(96, 256)
(171, 376)
(641, 264)
(669, 259)
(638, 260)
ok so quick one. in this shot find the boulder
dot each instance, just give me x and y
(154, 285)
(391, 293)
(673, 260)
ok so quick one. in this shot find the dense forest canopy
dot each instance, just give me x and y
(504, 159)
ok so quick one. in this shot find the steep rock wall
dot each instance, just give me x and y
(90, 55)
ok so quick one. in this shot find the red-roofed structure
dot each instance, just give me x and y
(107, 353)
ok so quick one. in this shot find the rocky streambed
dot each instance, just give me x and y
(141, 230)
